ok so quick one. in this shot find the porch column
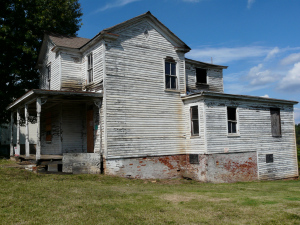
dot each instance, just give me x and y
(18, 131)
(38, 141)
(12, 134)
(26, 132)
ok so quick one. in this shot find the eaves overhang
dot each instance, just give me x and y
(211, 94)
(31, 95)
(209, 65)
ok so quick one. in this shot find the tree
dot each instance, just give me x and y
(22, 27)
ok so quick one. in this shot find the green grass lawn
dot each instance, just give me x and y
(28, 198)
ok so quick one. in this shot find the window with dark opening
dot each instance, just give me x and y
(232, 121)
(275, 122)
(194, 121)
(170, 75)
(48, 73)
(269, 158)
(194, 159)
(201, 76)
(90, 77)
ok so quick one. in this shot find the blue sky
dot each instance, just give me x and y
(258, 39)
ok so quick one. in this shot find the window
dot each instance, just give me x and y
(170, 74)
(275, 122)
(48, 74)
(269, 158)
(232, 120)
(194, 121)
(90, 77)
(201, 76)
(194, 159)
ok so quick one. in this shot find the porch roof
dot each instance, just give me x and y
(52, 95)
(238, 97)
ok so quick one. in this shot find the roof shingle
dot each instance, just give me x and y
(67, 41)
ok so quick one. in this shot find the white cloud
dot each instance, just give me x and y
(292, 58)
(250, 2)
(297, 115)
(259, 77)
(291, 82)
(224, 55)
(265, 96)
(117, 3)
(272, 53)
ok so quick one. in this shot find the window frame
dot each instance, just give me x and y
(206, 77)
(194, 120)
(90, 68)
(48, 74)
(273, 130)
(236, 121)
(171, 61)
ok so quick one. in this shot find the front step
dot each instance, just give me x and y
(53, 166)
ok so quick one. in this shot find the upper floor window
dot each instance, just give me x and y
(232, 120)
(194, 120)
(170, 74)
(275, 122)
(201, 76)
(90, 75)
(48, 74)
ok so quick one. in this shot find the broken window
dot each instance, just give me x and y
(194, 159)
(201, 76)
(194, 120)
(48, 127)
(170, 74)
(90, 77)
(275, 122)
(232, 120)
(269, 158)
(48, 73)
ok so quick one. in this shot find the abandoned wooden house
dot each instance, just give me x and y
(128, 103)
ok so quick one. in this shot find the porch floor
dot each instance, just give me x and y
(43, 157)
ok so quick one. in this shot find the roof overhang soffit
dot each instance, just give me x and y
(32, 95)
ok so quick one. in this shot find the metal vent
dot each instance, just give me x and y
(194, 158)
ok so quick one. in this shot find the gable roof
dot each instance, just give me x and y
(67, 41)
(148, 15)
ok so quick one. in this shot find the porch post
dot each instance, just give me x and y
(26, 132)
(18, 131)
(12, 134)
(38, 141)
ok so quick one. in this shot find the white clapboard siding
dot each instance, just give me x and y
(73, 124)
(5, 134)
(70, 71)
(53, 147)
(141, 117)
(97, 51)
(53, 59)
(254, 122)
(214, 78)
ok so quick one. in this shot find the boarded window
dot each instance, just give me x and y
(90, 68)
(170, 75)
(194, 158)
(201, 76)
(275, 122)
(194, 120)
(232, 120)
(269, 158)
(48, 127)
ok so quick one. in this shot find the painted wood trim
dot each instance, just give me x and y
(38, 141)
(12, 134)
(26, 131)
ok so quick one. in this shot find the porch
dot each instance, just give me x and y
(68, 123)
